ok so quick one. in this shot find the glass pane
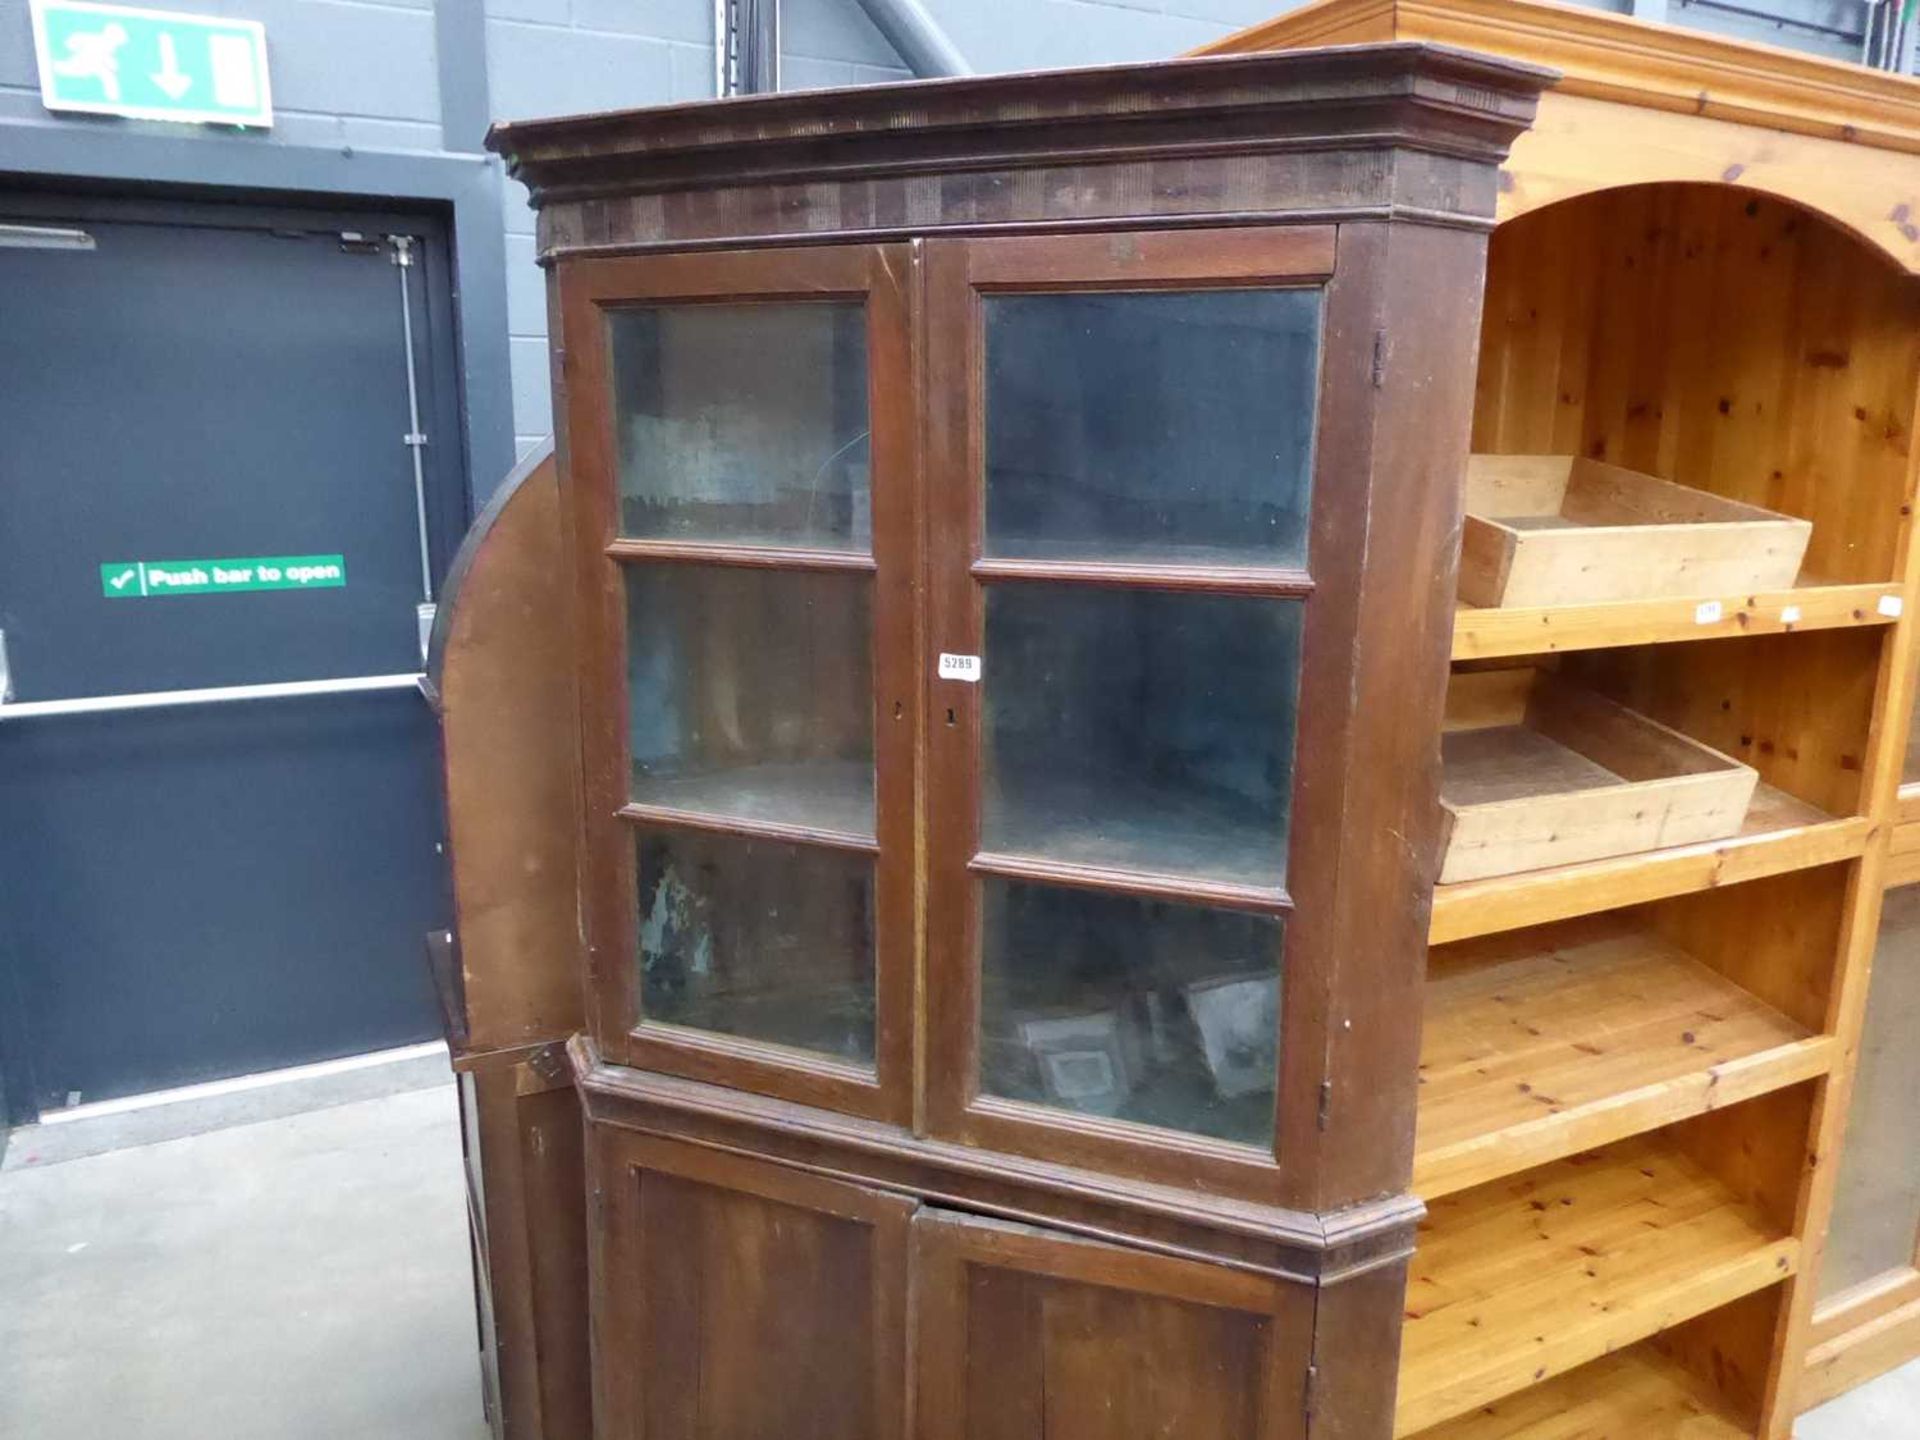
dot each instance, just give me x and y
(744, 423)
(1876, 1209)
(1141, 729)
(750, 693)
(1910, 772)
(1140, 1010)
(759, 939)
(1174, 426)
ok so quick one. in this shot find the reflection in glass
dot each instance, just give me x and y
(758, 939)
(1141, 729)
(743, 423)
(1140, 1010)
(750, 694)
(1164, 426)
(1876, 1205)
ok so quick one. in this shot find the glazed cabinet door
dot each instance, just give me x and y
(737, 1300)
(1123, 460)
(1021, 1333)
(1873, 1236)
(740, 463)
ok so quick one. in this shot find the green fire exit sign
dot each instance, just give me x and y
(151, 64)
(145, 579)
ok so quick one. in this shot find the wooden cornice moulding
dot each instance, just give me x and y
(1639, 62)
(772, 164)
(1322, 1249)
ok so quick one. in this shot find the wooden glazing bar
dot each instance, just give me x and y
(1214, 579)
(755, 557)
(1267, 901)
(748, 828)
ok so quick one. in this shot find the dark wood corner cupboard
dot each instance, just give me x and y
(1013, 528)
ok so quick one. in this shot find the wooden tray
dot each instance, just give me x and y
(1565, 530)
(1536, 773)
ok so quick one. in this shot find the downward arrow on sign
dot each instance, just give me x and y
(170, 77)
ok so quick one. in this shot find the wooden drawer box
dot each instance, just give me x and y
(1537, 772)
(1565, 530)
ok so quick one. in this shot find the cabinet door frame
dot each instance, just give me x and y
(588, 290)
(946, 1243)
(1847, 1314)
(960, 272)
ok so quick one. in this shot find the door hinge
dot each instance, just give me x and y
(6, 673)
(1326, 1102)
(1308, 1393)
(1379, 359)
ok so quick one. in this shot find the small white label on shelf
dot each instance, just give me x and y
(1789, 614)
(1891, 606)
(960, 667)
(1706, 612)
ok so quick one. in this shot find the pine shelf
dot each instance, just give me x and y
(1490, 632)
(1548, 1042)
(1779, 834)
(1637, 1394)
(1527, 1278)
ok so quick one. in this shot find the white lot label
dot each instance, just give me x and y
(1706, 612)
(960, 667)
(1890, 606)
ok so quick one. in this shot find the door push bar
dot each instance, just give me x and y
(214, 695)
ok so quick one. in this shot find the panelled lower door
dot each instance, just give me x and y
(741, 1300)
(1021, 1333)
(741, 455)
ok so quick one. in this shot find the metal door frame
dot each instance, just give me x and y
(446, 456)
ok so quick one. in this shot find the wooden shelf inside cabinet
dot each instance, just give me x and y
(1779, 834)
(1548, 1042)
(1491, 632)
(1527, 1278)
(1638, 1394)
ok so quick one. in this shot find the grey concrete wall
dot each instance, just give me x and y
(556, 57)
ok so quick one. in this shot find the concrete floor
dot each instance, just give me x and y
(1883, 1409)
(306, 1278)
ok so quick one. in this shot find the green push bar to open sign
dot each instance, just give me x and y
(144, 579)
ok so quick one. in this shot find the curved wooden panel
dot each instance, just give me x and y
(1639, 103)
(500, 668)
(1580, 144)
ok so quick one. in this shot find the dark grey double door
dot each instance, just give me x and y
(201, 889)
